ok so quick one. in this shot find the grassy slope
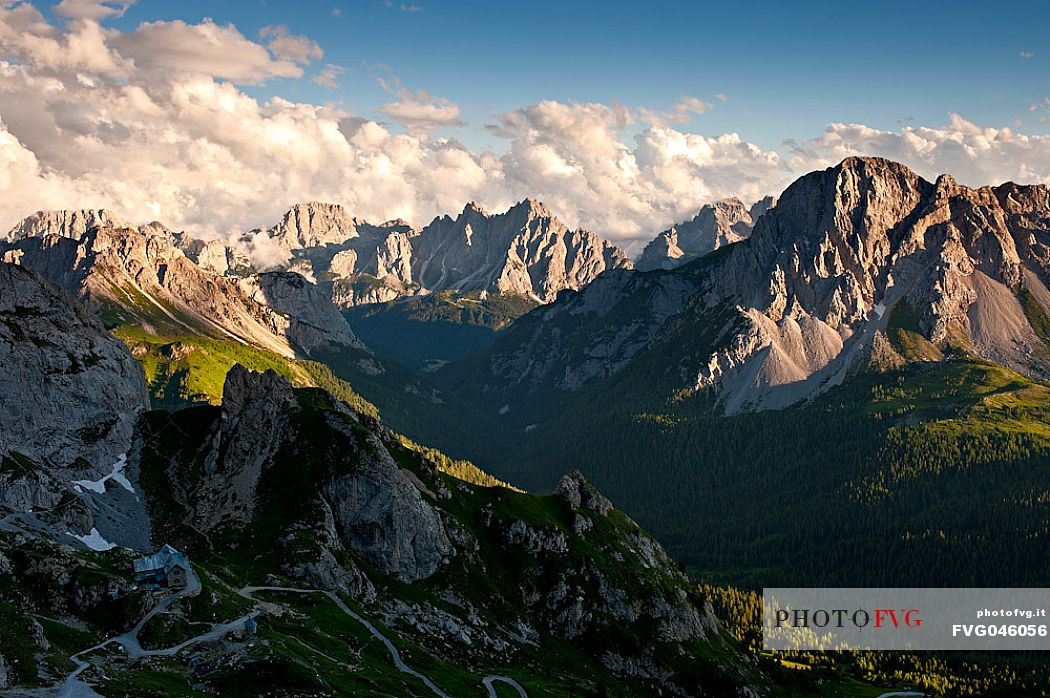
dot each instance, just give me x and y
(554, 668)
(182, 370)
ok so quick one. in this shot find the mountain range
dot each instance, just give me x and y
(716, 225)
(863, 262)
(842, 386)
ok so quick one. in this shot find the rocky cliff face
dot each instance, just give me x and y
(70, 397)
(860, 249)
(848, 257)
(67, 224)
(342, 502)
(141, 276)
(525, 251)
(716, 225)
(377, 511)
(352, 261)
(314, 224)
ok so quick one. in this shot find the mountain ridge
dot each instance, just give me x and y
(809, 294)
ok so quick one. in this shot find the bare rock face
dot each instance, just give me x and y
(351, 260)
(716, 225)
(62, 375)
(366, 503)
(253, 427)
(580, 493)
(70, 398)
(142, 276)
(809, 297)
(314, 224)
(67, 224)
(313, 320)
(846, 247)
(383, 518)
(364, 289)
(525, 251)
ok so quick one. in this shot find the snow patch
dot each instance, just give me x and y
(117, 475)
(94, 540)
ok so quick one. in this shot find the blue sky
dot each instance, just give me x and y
(788, 69)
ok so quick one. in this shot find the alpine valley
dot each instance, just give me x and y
(387, 457)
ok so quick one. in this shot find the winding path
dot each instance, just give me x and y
(394, 653)
(490, 680)
(73, 687)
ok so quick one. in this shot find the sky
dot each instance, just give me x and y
(623, 117)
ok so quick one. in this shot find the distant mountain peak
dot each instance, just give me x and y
(473, 207)
(533, 207)
(70, 223)
(525, 251)
(715, 225)
(313, 224)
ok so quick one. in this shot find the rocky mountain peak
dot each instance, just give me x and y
(715, 225)
(65, 223)
(525, 251)
(847, 259)
(531, 208)
(70, 398)
(474, 208)
(314, 224)
(760, 207)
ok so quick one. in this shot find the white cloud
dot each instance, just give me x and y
(1027, 54)
(973, 154)
(153, 123)
(573, 156)
(92, 9)
(288, 46)
(329, 76)
(686, 108)
(177, 48)
(420, 111)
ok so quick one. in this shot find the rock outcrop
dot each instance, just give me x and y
(70, 398)
(715, 226)
(376, 510)
(141, 276)
(525, 251)
(848, 257)
(253, 427)
(382, 517)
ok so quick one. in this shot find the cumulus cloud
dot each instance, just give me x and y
(219, 51)
(681, 113)
(153, 122)
(25, 36)
(576, 158)
(974, 155)
(420, 111)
